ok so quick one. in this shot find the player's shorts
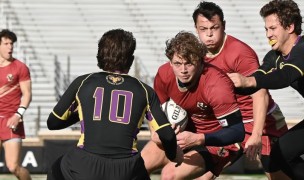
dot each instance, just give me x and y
(275, 126)
(8, 133)
(79, 164)
(217, 158)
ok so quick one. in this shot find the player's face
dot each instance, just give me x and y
(211, 32)
(183, 70)
(6, 49)
(278, 36)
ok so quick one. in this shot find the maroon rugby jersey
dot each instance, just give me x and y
(211, 99)
(236, 56)
(10, 91)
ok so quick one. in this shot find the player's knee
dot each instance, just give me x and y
(168, 173)
(13, 168)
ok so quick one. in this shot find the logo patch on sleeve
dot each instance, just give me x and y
(223, 122)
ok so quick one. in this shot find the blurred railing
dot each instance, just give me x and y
(61, 78)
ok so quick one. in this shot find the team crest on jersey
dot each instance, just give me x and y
(115, 79)
(10, 77)
(201, 105)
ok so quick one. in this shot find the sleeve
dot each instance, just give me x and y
(233, 131)
(61, 116)
(24, 74)
(246, 61)
(285, 75)
(159, 122)
(269, 62)
(160, 88)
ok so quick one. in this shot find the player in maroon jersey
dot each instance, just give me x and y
(15, 97)
(263, 120)
(215, 121)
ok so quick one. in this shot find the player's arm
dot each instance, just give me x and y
(248, 63)
(260, 105)
(159, 123)
(268, 78)
(160, 88)
(277, 79)
(233, 131)
(63, 114)
(26, 90)
(26, 93)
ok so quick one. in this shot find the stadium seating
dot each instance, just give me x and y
(65, 29)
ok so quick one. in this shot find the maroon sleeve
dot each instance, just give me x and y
(159, 83)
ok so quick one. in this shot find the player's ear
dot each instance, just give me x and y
(224, 24)
(290, 28)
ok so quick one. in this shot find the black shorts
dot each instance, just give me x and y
(79, 164)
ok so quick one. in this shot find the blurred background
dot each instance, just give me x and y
(58, 40)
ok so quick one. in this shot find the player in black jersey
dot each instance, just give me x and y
(283, 66)
(111, 107)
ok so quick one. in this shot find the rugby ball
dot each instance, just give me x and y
(175, 114)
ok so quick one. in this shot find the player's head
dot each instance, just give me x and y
(185, 53)
(210, 25)
(287, 12)
(115, 51)
(7, 34)
(282, 19)
(7, 40)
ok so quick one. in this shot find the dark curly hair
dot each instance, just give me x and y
(115, 50)
(208, 10)
(287, 11)
(8, 34)
(186, 45)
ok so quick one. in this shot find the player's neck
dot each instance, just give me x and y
(4, 62)
(292, 41)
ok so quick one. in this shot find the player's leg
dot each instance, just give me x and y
(274, 172)
(12, 149)
(54, 172)
(154, 157)
(288, 152)
(192, 167)
(234, 155)
(275, 127)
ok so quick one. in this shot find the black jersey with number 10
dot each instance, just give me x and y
(111, 108)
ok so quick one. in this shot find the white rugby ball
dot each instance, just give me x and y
(175, 114)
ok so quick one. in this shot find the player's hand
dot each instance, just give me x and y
(13, 122)
(179, 156)
(188, 139)
(176, 128)
(253, 147)
(238, 79)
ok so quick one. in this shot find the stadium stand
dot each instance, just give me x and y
(68, 31)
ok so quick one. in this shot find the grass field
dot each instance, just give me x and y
(153, 177)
